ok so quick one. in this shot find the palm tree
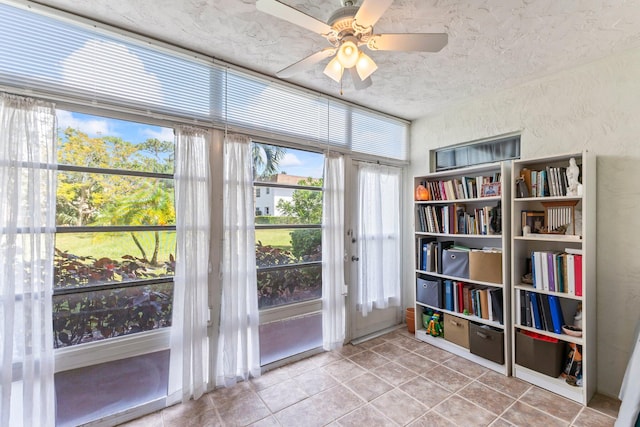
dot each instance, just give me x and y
(151, 204)
(266, 159)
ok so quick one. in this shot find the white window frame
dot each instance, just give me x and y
(126, 346)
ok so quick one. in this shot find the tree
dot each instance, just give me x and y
(266, 159)
(159, 158)
(152, 203)
(100, 199)
(306, 207)
(78, 197)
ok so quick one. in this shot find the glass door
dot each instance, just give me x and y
(288, 217)
(374, 248)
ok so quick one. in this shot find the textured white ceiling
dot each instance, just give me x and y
(493, 44)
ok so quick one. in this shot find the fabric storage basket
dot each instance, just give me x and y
(455, 263)
(429, 292)
(485, 266)
(486, 342)
(456, 330)
(540, 353)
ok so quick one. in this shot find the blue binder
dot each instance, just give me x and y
(448, 295)
(556, 314)
(535, 311)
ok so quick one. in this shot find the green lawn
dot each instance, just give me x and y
(276, 238)
(115, 245)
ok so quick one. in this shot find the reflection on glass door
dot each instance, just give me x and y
(288, 209)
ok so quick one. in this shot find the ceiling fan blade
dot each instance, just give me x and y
(371, 11)
(306, 63)
(282, 11)
(357, 82)
(426, 42)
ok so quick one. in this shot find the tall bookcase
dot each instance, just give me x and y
(561, 229)
(461, 210)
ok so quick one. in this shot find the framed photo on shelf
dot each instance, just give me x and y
(533, 219)
(492, 189)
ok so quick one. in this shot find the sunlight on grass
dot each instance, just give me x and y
(277, 238)
(115, 245)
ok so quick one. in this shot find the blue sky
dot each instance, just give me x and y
(295, 162)
(96, 126)
(302, 163)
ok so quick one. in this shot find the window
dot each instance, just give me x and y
(257, 192)
(289, 251)
(476, 153)
(115, 229)
(267, 190)
(288, 243)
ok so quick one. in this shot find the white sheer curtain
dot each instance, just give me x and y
(238, 343)
(379, 237)
(188, 370)
(333, 287)
(27, 222)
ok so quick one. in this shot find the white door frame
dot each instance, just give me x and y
(379, 320)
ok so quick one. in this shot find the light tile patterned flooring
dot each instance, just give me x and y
(388, 381)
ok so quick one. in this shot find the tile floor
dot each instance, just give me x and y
(388, 381)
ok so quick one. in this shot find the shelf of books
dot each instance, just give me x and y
(461, 232)
(553, 274)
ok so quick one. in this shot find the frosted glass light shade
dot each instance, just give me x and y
(334, 69)
(348, 54)
(365, 66)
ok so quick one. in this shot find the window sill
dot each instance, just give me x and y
(111, 349)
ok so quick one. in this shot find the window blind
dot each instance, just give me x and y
(49, 55)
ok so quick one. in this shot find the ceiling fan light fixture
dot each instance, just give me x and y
(348, 52)
(334, 69)
(365, 66)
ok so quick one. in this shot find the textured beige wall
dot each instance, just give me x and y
(595, 107)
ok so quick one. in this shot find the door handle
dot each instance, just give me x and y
(354, 258)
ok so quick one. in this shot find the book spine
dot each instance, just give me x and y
(535, 311)
(571, 275)
(528, 308)
(545, 271)
(551, 271)
(448, 294)
(578, 274)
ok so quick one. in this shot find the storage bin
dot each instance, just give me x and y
(535, 352)
(455, 262)
(429, 292)
(456, 330)
(486, 342)
(485, 266)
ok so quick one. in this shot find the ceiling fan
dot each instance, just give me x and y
(348, 30)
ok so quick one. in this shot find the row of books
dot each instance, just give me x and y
(461, 188)
(540, 311)
(551, 181)
(430, 254)
(557, 272)
(483, 302)
(454, 219)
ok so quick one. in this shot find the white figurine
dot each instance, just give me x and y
(573, 172)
